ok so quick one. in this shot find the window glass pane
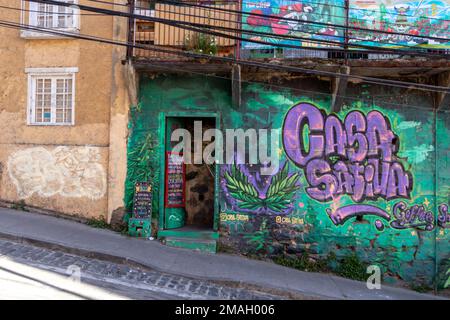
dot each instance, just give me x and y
(52, 16)
(43, 100)
(62, 17)
(56, 108)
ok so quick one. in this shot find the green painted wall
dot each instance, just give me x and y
(303, 224)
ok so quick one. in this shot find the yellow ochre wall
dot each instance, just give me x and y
(65, 168)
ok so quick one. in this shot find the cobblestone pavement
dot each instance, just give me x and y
(129, 281)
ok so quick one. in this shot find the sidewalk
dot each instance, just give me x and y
(49, 231)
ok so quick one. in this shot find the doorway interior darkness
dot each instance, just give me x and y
(198, 209)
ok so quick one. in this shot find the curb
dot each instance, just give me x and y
(286, 294)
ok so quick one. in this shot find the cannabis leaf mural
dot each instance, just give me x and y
(278, 197)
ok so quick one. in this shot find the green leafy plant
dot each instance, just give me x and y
(422, 288)
(21, 205)
(447, 283)
(305, 263)
(99, 222)
(201, 43)
(258, 239)
(353, 268)
(278, 197)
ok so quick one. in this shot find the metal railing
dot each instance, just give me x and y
(171, 37)
(225, 16)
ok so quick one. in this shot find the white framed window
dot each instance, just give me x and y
(51, 96)
(51, 16)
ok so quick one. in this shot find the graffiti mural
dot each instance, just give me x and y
(245, 191)
(388, 220)
(65, 171)
(443, 216)
(293, 19)
(357, 157)
(429, 18)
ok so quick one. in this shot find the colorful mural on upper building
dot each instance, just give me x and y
(428, 18)
(302, 19)
(417, 23)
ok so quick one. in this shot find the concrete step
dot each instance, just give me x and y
(203, 245)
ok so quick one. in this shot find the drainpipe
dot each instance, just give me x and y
(436, 268)
(238, 44)
(347, 8)
(131, 5)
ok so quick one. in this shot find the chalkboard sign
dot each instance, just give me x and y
(142, 202)
(175, 180)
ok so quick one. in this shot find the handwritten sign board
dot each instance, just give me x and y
(142, 201)
(175, 180)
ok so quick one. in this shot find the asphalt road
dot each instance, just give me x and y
(30, 272)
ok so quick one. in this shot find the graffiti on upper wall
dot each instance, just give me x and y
(252, 192)
(64, 171)
(357, 157)
(403, 22)
(293, 19)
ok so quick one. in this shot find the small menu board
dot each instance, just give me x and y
(142, 201)
(175, 180)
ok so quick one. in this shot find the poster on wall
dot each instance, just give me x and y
(308, 21)
(406, 20)
(175, 180)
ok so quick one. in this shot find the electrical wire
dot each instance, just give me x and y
(271, 17)
(46, 12)
(395, 83)
(355, 98)
(289, 1)
(339, 43)
(270, 35)
(193, 26)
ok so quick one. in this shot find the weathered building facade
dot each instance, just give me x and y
(58, 99)
(363, 167)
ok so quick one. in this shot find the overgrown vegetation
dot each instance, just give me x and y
(305, 263)
(201, 43)
(422, 288)
(258, 240)
(353, 268)
(224, 248)
(21, 205)
(350, 267)
(99, 222)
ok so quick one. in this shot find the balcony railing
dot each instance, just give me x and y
(173, 38)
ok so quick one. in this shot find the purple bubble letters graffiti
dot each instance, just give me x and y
(356, 157)
(341, 215)
(443, 216)
(415, 216)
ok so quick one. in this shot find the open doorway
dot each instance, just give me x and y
(189, 189)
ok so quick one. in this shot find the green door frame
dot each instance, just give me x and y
(162, 160)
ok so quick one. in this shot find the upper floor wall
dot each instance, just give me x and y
(289, 28)
(38, 69)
